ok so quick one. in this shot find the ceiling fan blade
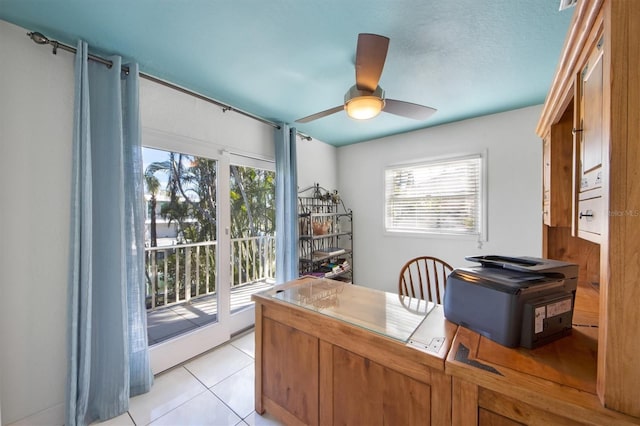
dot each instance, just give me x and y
(408, 109)
(320, 114)
(370, 56)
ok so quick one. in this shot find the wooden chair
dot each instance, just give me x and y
(424, 277)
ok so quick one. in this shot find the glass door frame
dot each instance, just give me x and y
(246, 318)
(177, 350)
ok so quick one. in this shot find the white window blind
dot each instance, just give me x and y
(442, 197)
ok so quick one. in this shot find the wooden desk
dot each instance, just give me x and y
(333, 353)
(552, 385)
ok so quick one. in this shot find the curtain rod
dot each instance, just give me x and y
(39, 38)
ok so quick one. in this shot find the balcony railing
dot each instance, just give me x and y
(178, 273)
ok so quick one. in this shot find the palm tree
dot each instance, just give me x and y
(239, 183)
(153, 185)
(191, 186)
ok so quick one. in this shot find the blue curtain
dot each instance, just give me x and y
(108, 352)
(286, 204)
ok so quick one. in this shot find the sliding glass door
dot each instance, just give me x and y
(184, 255)
(210, 244)
(252, 232)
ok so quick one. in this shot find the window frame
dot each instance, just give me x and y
(480, 236)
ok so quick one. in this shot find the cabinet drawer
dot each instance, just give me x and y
(590, 219)
(591, 180)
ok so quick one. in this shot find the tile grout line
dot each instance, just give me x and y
(180, 405)
(227, 405)
(210, 389)
(206, 388)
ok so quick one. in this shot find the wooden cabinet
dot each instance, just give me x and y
(313, 368)
(601, 55)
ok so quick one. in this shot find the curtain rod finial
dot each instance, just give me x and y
(38, 38)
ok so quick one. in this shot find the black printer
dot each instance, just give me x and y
(514, 301)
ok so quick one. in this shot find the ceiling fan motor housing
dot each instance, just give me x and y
(353, 93)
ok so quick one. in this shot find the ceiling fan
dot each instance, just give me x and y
(366, 99)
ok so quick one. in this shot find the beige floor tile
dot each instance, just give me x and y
(246, 343)
(238, 391)
(169, 391)
(122, 420)
(215, 366)
(205, 409)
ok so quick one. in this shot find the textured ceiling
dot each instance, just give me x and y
(285, 59)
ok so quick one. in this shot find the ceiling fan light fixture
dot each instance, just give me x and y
(364, 107)
(363, 104)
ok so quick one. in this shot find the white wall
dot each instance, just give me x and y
(36, 121)
(514, 192)
(316, 164)
(167, 113)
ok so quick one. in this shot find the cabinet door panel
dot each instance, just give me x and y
(291, 358)
(366, 393)
(592, 112)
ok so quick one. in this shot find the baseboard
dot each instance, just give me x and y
(47, 417)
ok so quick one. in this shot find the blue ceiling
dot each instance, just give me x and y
(286, 59)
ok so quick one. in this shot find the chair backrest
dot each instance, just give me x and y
(424, 277)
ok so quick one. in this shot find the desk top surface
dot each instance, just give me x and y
(408, 321)
(388, 314)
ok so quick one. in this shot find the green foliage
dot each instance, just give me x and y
(252, 202)
(191, 185)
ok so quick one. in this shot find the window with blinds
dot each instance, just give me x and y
(437, 197)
